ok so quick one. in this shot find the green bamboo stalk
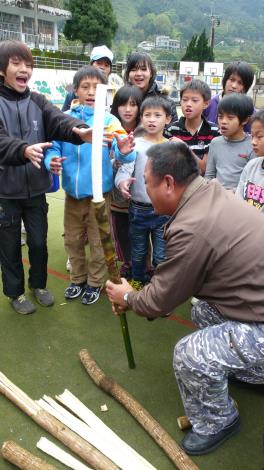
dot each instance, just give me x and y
(110, 258)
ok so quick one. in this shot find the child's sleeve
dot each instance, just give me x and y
(171, 130)
(114, 126)
(11, 149)
(241, 185)
(129, 157)
(58, 125)
(124, 172)
(210, 171)
(51, 152)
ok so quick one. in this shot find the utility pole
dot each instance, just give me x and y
(36, 27)
(215, 21)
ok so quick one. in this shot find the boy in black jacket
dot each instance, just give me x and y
(28, 123)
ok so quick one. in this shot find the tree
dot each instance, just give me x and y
(204, 51)
(163, 24)
(190, 53)
(148, 24)
(91, 22)
(198, 49)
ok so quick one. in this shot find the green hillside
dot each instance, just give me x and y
(240, 19)
(126, 12)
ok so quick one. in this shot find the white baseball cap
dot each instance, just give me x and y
(99, 52)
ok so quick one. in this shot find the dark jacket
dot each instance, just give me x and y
(26, 119)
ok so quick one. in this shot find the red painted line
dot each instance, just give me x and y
(66, 277)
(54, 273)
(51, 271)
(182, 321)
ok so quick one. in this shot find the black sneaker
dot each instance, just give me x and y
(197, 444)
(74, 290)
(91, 294)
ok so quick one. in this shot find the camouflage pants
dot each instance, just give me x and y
(203, 361)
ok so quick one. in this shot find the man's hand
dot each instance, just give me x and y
(116, 294)
(87, 135)
(34, 153)
(125, 144)
(124, 187)
(56, 165)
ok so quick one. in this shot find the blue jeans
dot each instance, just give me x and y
(143, 224)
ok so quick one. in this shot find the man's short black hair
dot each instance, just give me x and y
(238, 104)
(199, 86)
(243, 70)
(156, 102)
(88, 71)
(175, 159)
(12, 49)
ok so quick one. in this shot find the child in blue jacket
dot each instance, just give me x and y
(75, 161)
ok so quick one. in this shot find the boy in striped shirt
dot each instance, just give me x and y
(192, 128)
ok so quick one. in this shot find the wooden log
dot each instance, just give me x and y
(161, 437)
(184, 423)
(78, 445)
(23, 459)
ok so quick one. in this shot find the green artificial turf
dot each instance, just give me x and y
(39, 353)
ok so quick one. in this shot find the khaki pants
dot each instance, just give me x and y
(79, 226)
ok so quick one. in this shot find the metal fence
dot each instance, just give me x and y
(59, 64)
(30, 39)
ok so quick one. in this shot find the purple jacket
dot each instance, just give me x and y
(210, 113)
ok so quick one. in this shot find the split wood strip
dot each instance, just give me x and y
(23, 459)
(162, 438)
(57, 453)
(133, 459)
(96, 438)
(78, 445)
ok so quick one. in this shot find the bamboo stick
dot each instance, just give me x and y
(161, 437)
(78, 445)
(110, 258)
(23, 459)
(132, 460)
(57, 453)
